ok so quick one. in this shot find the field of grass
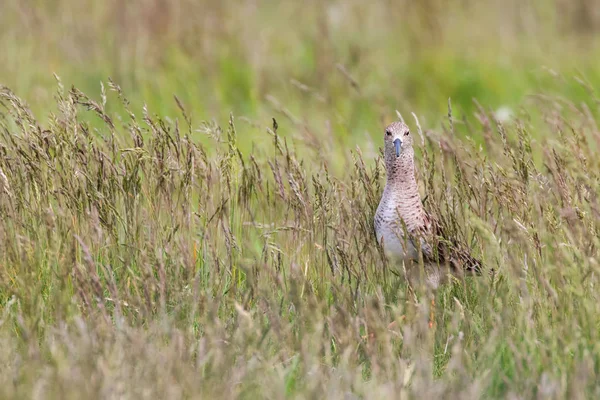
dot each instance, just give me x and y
(187, 191)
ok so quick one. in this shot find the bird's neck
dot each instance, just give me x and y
(401, 170)
(402, 189)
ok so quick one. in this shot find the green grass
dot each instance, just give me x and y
(154, 246)
(218, 57)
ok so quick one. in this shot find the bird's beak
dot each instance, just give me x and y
(397, 145)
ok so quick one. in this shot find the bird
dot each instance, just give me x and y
(409, 234)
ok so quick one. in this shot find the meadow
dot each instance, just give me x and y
(187, 191)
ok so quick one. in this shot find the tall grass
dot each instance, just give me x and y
(137, 262)
(154, 246)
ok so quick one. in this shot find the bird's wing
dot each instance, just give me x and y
(437, 248)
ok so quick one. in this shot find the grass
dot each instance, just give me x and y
(219, 242)
(137, 263)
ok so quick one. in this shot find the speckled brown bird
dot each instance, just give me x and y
(408, 233)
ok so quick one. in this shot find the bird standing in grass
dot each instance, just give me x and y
(407, 233)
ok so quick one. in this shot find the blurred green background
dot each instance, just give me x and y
(335, 67)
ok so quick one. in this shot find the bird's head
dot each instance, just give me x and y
(398, 140)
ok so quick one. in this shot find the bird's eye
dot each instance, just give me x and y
(406, 133)
(388, 133)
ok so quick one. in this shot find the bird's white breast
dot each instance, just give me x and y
(390, 233)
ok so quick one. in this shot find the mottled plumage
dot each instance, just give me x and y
(402, 226)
